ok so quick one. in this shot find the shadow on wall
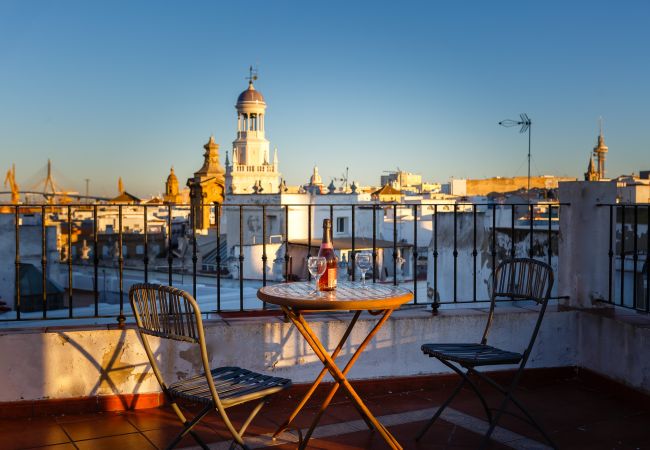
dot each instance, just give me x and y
(111, 372)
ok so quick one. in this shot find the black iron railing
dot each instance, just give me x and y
(629, 247)
(462, 243)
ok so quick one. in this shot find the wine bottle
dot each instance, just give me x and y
(327, 282)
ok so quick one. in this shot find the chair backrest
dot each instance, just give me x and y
(521, 279)
(166, 312)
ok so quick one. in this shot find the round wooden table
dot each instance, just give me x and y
(296, 298)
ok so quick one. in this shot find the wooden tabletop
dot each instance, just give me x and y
(347, 296)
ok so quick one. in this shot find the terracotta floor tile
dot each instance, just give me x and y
(80, 417)
(69, 446)
(110, 425)
(163, 437)
(33, 423)
(34, 433)
(152, 419)
(132, 441)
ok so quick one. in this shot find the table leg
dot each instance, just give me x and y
(322, 373)
(345, 371)
(339, 376)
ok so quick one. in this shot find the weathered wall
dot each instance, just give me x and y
(64, 364)
(30, 252)
(584, 242)
(616, 347)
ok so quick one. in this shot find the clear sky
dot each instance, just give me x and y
(129, 88)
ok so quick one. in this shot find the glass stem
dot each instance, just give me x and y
(363, 278)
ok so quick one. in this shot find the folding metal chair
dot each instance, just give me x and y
(170, 313)
(516, 279)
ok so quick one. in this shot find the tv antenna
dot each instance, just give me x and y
(525, 123)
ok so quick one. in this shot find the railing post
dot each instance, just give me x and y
(584, 242)
(121, 319)
(17, 262)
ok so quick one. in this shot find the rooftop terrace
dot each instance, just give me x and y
(84, 382)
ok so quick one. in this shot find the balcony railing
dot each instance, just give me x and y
(629, 247)
(455, 244)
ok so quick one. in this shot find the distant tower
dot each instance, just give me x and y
(315, 185)
(600, 150)
(207, 186)
(251, 165)
(591, 174)
(120, 185)
(171, 188)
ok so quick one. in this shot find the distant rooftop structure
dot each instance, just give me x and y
(502, 185)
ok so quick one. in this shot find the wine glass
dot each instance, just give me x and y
(316, 266)
(364, 263)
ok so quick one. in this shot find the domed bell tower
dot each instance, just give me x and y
(251, 170)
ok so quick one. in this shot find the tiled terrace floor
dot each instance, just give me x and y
(579, 413)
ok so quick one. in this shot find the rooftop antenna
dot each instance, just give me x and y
(525, 123)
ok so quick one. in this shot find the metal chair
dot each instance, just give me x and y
(170, 313)
(516, 279)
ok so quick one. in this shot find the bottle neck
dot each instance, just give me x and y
(327, 239)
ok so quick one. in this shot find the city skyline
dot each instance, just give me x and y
(122, 90)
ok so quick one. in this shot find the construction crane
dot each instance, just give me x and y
(10, 181)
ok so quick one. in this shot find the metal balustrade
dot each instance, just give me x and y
(438, 231)
(629, 247)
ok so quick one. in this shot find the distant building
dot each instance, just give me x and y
(597, 173)
(207, 186)
(591, 174)
(251, 170)
(171, 189)
(315, 185)
(631, 189)
(499, 185)
(387, 193)
(407, 181)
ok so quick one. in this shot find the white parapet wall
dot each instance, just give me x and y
(38, 364)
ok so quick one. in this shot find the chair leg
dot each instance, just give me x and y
(188, 427)
(532, 421)
(466, 375)
(509, 396)
(252, 415)
(442, 408)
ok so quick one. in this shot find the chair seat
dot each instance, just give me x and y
(234, 386)
(471, 355)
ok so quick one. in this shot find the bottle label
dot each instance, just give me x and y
(331, 278)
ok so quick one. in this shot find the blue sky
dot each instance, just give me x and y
(129, 88)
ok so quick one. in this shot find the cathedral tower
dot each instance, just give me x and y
(251, 170)
(207, 185)
(600, 150)
(171, 188)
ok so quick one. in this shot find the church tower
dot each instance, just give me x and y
(600, 150)
(207, 185)
(171, 188)
(591, 174)
(251, 170)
